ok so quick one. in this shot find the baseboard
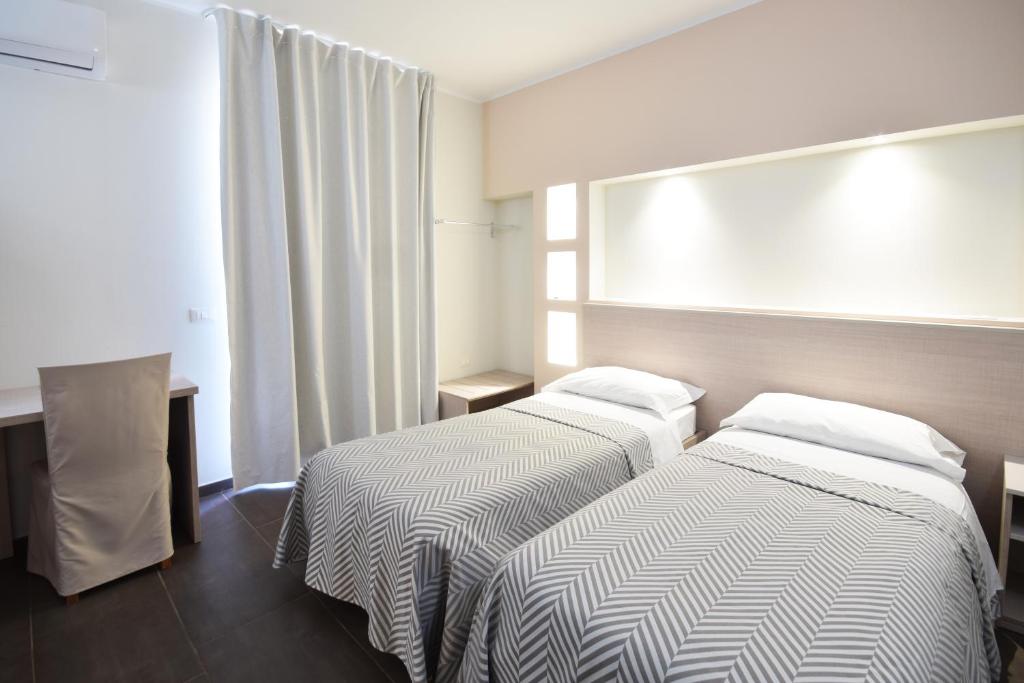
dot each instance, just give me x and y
(215, 487)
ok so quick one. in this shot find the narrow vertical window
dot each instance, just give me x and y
(561, 215)
(561, 338)
(562, 275)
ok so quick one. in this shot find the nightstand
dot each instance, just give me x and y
(693, 440)
(1012, 530)
(482, 392)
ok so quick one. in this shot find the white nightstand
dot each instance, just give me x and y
(1012, 530)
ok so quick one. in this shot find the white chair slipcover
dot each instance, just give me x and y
(100, 504)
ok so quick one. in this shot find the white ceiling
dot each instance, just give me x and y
(482, 49)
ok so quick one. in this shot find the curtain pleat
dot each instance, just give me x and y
(327, 212)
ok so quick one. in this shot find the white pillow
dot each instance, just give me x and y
(851, 427)
(629, 387)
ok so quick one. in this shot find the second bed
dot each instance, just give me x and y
(757, 556)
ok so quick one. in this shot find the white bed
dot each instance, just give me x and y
(751, 557)
(916, 479)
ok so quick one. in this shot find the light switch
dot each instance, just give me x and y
(198, 315)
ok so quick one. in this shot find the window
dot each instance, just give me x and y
(561, 338)
(561, 216)
(562, 275)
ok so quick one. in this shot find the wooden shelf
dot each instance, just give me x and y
(1013, 469)
(1017, 523)
(482, 392)
(693, 440)
(1012, 530)
(1013, 603)
(485, 384)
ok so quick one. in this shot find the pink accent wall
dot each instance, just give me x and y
(781, 74)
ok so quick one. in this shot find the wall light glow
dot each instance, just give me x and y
(880, 191)
(562, 338)
(562, 275)
(561, 213)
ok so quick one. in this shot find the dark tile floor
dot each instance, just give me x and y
(221, 613)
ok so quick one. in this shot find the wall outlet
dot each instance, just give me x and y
(464, 363)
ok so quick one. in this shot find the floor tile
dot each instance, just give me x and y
(15, 622)
(248, 621)
(217, 511)
(261, 504)
(353, 618)
(227, 580)
(270, 531)
(299, 641)
(126, 630)
(1011, 652)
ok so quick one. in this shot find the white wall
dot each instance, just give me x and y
(110, 223)
(515, 288)
(109, 213)
(933, 226)
(483, 322)
(467, 290)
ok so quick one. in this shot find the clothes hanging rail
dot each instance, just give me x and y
(492, 225)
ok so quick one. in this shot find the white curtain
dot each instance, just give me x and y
(327, 212)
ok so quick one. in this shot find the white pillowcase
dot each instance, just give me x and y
(851, 427)
(629, 387)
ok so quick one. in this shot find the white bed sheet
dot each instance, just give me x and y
(920, 480)
(666, 436)
(685, 418)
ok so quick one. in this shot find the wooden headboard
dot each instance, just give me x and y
(966, 381)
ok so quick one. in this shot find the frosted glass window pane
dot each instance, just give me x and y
(562, 275)
(561, 338)
(562, 212)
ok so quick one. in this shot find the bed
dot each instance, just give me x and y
(409, 524)
(755, 556)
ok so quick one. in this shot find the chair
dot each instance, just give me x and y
(100, 504)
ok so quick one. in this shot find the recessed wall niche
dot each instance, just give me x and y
(922, 224)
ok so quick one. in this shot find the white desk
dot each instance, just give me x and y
(21, 421)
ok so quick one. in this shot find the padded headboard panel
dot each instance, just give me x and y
(966, 381)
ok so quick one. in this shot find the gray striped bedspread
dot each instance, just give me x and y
(732, 566)
(410, 524)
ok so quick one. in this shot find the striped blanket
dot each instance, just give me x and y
(731, 566)
(410, 524)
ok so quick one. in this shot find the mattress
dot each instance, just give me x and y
(685, 419)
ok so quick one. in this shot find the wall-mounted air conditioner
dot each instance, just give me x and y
(54, 36)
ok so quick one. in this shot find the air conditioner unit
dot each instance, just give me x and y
(54, 36)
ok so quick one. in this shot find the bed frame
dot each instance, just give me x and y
(967, 381)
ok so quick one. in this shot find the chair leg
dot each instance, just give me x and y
(70, 600)
(165, 564)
